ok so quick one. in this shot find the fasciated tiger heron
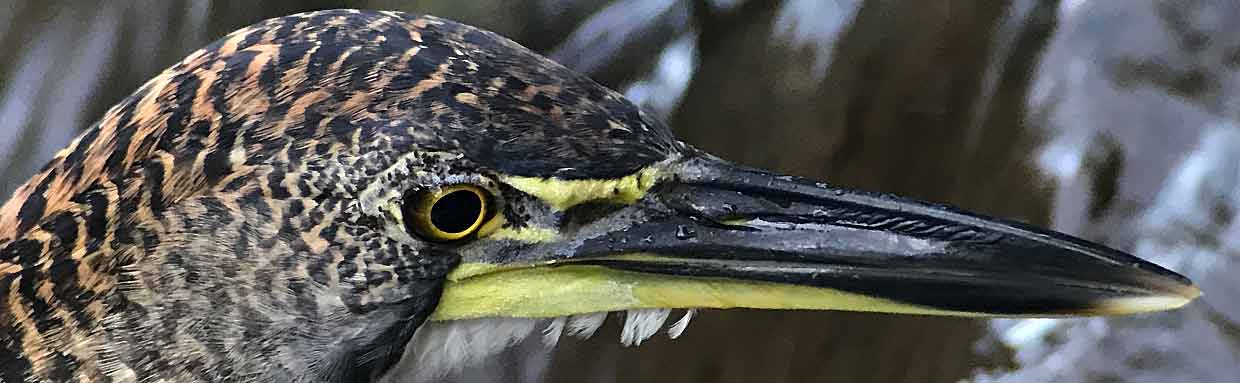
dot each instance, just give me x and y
(338, 196)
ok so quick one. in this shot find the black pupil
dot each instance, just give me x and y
(456, 212)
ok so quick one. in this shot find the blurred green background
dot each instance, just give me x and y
(1038, 111)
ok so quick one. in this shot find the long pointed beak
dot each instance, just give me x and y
(723, 222)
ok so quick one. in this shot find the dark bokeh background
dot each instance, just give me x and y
(1112, 120)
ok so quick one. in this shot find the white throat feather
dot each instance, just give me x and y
(443, 348)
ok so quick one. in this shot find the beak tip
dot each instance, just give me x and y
(1150, 303)
(1191, 292)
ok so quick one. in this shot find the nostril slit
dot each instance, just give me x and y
(587, 213)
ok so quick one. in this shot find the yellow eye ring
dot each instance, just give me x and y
(451, 213)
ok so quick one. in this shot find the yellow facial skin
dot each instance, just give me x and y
(563, 194)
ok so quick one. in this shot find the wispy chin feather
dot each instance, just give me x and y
(440, 349)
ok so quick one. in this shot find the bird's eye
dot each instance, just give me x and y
(451, 213)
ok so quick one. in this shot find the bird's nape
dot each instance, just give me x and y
(308, 198)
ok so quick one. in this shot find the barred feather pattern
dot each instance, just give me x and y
(225, 222)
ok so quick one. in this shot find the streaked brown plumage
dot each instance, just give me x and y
(252, 142)
(244, 217)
